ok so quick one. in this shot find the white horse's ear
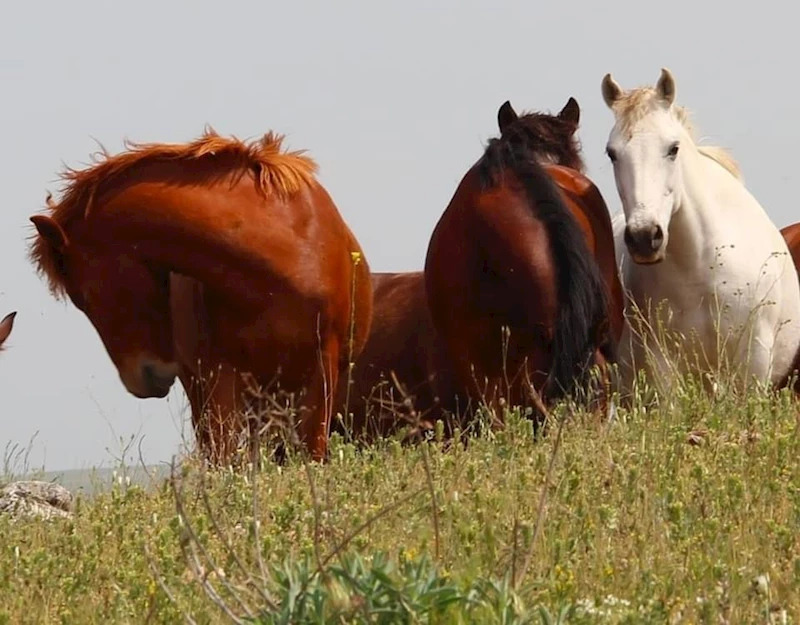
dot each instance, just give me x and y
(611, 90)
(666, 86)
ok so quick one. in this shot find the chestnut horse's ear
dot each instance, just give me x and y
(6, 325)
(506, 116)
(571, 112)
(50, 231)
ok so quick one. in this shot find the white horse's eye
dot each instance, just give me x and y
(673, 150)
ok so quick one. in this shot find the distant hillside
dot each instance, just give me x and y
(92, 481)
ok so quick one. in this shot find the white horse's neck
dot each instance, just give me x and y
(709, 194)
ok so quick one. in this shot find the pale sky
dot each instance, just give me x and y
(393, 100)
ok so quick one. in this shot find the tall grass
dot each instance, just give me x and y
(682, 509)
(685, 513)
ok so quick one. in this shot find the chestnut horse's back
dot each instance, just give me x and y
(403, 348)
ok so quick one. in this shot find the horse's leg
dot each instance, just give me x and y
(214, 398)
(756, 354)
(195, 397)
(226, 412)
(639, 353)
(211, 389)
(319, 400)
(467, 372)
(600, 388)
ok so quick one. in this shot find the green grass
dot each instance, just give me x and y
(689, 513)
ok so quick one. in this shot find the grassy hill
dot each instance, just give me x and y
(686, 513)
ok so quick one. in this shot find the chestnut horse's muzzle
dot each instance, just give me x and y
(157, 382)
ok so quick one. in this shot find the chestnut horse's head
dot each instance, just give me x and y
(552, 137)
(6, 325)
(126, 300)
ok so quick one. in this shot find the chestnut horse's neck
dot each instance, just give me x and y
(229, 235)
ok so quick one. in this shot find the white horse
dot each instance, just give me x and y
(690, 233)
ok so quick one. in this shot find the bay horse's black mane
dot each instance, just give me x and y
(540, 136)
(582, 297)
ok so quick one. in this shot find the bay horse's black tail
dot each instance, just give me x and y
(583, 305)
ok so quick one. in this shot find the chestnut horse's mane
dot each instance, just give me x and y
(276, 171)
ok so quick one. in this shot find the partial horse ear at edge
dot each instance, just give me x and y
(49, 229)
(6, 325)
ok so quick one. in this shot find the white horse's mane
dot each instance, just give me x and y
(634, 104)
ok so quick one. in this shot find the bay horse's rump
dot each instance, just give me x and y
(508, 252)
(591, 211)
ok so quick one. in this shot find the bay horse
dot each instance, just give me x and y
(520, 246)
(403, 348)
(6, 325)
(206, 261)
(693, 239)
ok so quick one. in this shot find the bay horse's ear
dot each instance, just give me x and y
(6, 325)
(506, 116)
(50, 231)
(571, 112)
(611, 90)
(666, 86)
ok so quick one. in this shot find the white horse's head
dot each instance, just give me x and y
(645, 146)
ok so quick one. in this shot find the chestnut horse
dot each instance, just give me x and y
(527, 245)
(403, 348)
(6, 325)
(791, 234)
(205, 259)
